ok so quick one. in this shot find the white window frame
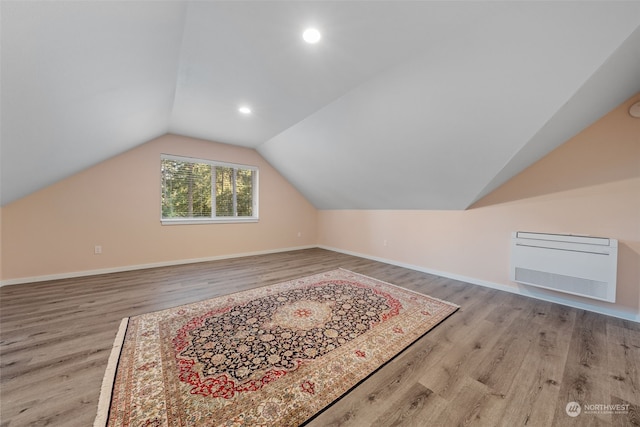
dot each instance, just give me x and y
(213, 219)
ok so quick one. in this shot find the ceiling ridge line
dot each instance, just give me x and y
(374, 76)
(178, 65)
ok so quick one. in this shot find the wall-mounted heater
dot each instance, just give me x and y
(578, 265)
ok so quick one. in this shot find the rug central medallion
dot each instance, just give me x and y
(242, 348)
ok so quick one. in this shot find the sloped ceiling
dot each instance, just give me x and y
(402, 105)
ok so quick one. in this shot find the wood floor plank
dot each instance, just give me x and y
(452, 364)
(502, 359)
(536, 387)
(586, 379)
(505, 357)
(470, 396)
(624, 363)
(406, 408)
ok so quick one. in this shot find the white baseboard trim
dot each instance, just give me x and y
(35, 279)
(524, 291)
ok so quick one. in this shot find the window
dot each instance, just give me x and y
(197, 191)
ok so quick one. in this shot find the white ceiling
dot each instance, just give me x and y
(402, 105)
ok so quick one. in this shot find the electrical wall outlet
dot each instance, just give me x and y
(97, 250)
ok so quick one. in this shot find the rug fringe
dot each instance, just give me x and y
(109, 376)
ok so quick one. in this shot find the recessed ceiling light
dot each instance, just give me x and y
(245, 110)
(311, 35)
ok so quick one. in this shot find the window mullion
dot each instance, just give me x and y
(235, 195)
(214, 180)
(254, 195)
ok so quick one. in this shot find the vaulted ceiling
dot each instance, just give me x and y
(401, 105)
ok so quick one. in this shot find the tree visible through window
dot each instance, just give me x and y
(203, 189)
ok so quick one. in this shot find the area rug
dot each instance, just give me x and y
(275, 355)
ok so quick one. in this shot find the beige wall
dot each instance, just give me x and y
(116, 204)
(589, 185)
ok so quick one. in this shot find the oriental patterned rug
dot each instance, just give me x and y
(275, 355)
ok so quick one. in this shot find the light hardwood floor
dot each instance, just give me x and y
(501, 360)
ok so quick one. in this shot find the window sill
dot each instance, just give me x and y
(191, 221)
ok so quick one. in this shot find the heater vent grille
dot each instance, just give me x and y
(578, 265)
(560, 282)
